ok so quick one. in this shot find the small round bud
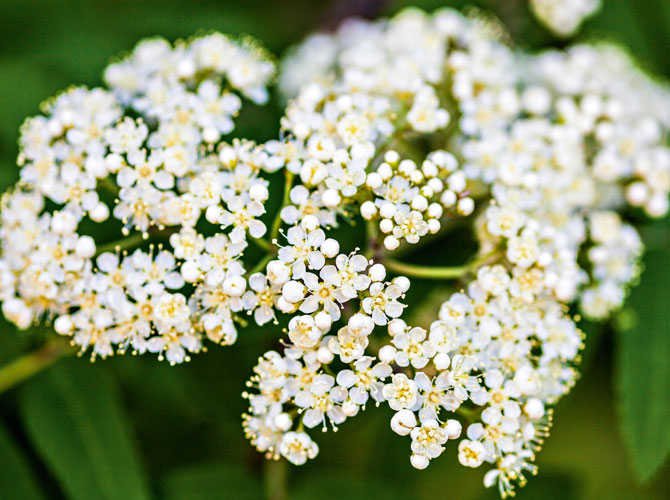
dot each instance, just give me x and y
(211, 135)
(457, 182)
(368, 210)
(293, 291)
(331, 198)
(324, 355)
(534, 408)
(396, 327)
(330, 248)
(387, 354)
(403, 422)
(448, 199)
(350, 408)
(391, 242)
(386, 226)
(453, 429)
(309, 222)
(190, 272)
(99, 212)
(419, 203)
(434, 226)
(323, 321)
(402, 282)
(377, 272)
(385, 171)
(391, 157)
(258, 192)
(441, 361)
(466, 206)
(85, 247)
(388, 210)
(283, 422)
(63, 325)
(419, 461)
(374, 180)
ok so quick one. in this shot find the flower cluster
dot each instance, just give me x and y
(564, 17)
(405, 126)
(91, 160)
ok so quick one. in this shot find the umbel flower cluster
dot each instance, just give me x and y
(409, 127)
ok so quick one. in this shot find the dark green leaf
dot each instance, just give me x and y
(16, 478)
(212, 481)
(76, 422)
(644, 369)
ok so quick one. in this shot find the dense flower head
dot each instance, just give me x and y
(409, 127)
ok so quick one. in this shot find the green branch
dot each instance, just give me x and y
(21, 369)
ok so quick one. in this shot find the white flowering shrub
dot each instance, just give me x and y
(409, 127)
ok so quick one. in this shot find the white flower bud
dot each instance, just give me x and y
(465, 206)
(374, 180)
(190, 271)
(377, 272)
(388, 210)
(396, 327)
(350, 408)
(387, 354)
(283, 422)
(99, 212)
(402, 282)
(258, 192)
(534, 408)
(211, 135)
(391, 157)
(434, 226)
(441, 361)
(391, 243)
(330, 248)
(448, 199)
(386, 226)
(403, 422)
(309, 222)
(331, 198)
(63, 325)
(453, 429)
(85, 247)
(385, 171)
(323, 321)
(419, 461)
(285, 306)
(419, 203)
(293, 291)
(457, 182)
(368, 210)
(324, 355)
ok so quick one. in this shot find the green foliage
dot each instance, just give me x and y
(211, 481)
(74, 418)
(644, 369)
(17, 481)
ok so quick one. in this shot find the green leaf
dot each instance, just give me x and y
(74, 418)
(644, 369)
(16, 477)
(211, 481)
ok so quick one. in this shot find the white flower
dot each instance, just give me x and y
(297, 447)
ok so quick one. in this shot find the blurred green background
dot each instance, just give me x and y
(132, 428)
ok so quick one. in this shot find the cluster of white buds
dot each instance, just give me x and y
(410, 201)
(564, 17)
(405, 124)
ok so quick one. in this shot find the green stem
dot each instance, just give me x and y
(122, 244)
(264, 244)
(260, 266)
(276, 224)
(30, 364)
(275, 477)
(133, 240)
(428, 272)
